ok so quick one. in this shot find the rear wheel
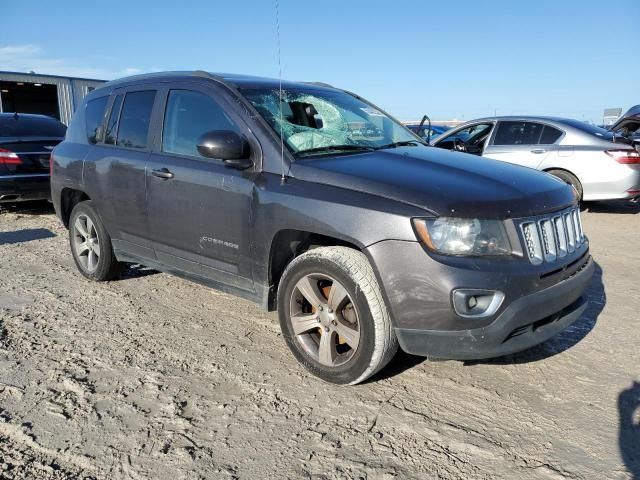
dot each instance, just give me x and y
(569, 178)
(333, 317)
(91, 244)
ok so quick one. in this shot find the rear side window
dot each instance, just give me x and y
(518, 133)
(30, 126)
(94, 115)
(110, 133)
(550, 135)
(133, 126)
(188, 115)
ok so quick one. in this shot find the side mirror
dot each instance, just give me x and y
(226, 145)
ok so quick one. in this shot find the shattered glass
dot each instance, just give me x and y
(312, 119)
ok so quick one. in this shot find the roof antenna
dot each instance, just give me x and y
(283, 177)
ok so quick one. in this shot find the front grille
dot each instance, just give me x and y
(549, 238)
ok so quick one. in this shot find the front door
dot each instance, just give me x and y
(199, 209)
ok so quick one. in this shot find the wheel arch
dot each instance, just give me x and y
(69, 198)
(573, 174)
(288, 244)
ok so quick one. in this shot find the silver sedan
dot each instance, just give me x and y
(596, 163)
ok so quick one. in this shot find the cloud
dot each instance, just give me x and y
(26, 58)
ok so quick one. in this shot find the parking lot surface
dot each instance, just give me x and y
(152, 376)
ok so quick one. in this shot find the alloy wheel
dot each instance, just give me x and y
(324, 319)
(86, 243)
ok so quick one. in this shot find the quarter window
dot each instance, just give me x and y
(188, 115)
(518, 133)
(550, 135)
(133, 126)
(94, 115)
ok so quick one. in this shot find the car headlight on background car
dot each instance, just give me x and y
(463, 236)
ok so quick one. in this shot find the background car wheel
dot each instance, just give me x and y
(91, 244)
(568, 178)
(333, 317)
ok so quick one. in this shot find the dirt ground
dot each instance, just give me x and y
(152, 376)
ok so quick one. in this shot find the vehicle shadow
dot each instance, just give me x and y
(36, 207)
(564, 340)
(134, 270)
(26, 235)
(629, 434)
(622, 207)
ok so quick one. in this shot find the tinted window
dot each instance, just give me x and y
(30, 126)
(93, 118)
(133, 126)
(110, 133)
(518, 133)
(550, 135)
(189, 115)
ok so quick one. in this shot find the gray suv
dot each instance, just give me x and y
(310, 200)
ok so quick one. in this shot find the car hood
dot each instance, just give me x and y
(442, 182)
(630, 120)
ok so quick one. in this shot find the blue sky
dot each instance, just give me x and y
(461, 59)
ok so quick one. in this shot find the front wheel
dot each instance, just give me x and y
(333, 317)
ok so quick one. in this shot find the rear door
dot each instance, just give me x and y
(522, 142)
(115, 168)
(199, 210)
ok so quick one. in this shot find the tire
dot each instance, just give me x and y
(361, 312)
(94, 258)
(569, 178)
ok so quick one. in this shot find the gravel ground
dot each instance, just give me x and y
(152, 376)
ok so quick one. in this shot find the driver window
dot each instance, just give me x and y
(470, 139)
(187, 116)
(472, 134)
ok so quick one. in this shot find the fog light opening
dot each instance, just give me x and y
(475, 303)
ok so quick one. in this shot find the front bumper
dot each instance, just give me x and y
(18, 188)
(537, 304)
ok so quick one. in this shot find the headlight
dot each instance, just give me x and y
(463, 236)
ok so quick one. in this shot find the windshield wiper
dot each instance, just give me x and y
(404, 143)
(335, 148)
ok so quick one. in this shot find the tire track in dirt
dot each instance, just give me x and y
(153, 376)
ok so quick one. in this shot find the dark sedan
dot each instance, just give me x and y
(26, 142)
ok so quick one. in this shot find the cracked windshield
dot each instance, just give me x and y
(317, 121)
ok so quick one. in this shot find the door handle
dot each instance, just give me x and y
(538, 150)
(162, 173)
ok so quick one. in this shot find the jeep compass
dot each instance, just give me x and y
(308, 199)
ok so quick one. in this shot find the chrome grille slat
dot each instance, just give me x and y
(549, 238)
(561, 235)
(568, 221)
